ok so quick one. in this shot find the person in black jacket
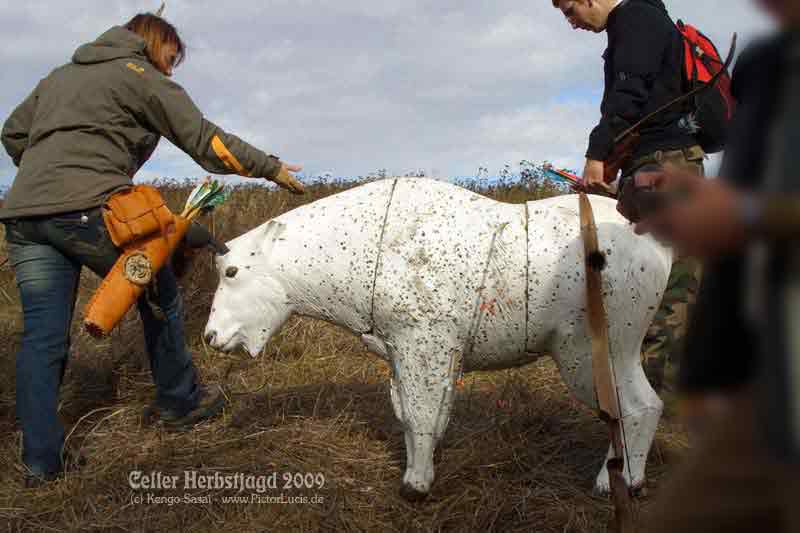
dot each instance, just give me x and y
(644, 71)
(743, 341)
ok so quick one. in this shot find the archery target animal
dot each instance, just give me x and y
(439, 281)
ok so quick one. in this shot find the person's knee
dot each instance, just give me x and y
(46, 317)
(43, 348)
(167, 295)
(161, 305)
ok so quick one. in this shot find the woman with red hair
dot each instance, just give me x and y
(80, 137)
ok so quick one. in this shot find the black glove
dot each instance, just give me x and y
(198, 236)
(637, 202)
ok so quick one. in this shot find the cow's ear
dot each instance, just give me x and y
(270, 233)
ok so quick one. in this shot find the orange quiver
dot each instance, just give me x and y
(139, 222)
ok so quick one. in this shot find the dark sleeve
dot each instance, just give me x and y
(171, 112)
(756, 65)
(640, 41)
(719, 351)
(16, 130)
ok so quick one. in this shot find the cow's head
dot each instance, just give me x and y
(251, 302)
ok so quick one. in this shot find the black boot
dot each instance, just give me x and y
(210, 402)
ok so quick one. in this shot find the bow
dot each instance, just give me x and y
(605, 382)
(625, 143)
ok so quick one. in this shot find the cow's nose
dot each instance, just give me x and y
(211, 336)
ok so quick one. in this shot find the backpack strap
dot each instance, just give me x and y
(697, 90)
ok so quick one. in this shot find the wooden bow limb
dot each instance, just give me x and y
(603, 370)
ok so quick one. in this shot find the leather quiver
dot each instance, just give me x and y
(130, 275)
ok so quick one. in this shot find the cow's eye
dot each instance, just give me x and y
(231, 272)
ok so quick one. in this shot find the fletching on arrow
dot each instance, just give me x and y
(205, 197)
(563, 176)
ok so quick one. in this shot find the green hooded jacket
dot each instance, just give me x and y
(90, 125)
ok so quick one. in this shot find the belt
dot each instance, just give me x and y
(690, 153)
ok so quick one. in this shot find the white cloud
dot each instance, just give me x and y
(351, 86)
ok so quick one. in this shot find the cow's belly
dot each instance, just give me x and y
(454, 262)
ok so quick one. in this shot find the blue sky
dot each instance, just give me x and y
(348, 87)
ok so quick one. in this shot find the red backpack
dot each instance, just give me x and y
(712, 108)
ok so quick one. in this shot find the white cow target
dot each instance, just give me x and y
(438, 280)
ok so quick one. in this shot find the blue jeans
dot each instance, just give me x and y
(47, 254)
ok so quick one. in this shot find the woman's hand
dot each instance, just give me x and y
(286, 180)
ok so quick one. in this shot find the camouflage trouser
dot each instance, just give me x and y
(668, 329)
(665, 335)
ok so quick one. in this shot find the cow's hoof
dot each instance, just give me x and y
(638, 490)
(411, 494)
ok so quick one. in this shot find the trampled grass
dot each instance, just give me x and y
(519, 454)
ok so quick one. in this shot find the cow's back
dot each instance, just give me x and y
(452, 259)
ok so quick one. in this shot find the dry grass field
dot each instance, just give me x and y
(519, 454)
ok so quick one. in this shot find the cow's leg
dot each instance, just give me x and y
(422, 396)
(640, 406)
(641, 411)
